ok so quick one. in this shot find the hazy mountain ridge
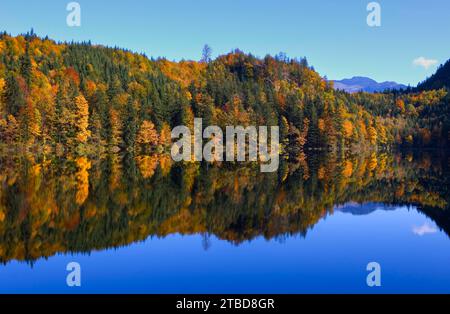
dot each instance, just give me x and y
(365, 84)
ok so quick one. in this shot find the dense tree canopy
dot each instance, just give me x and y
(76, 97)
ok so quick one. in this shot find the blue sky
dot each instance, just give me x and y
(333, 35)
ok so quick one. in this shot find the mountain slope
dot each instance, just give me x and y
(69, 97)
(438, 80)
(365, 84)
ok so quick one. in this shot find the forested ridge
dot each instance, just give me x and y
(439, 79)
(81, 98)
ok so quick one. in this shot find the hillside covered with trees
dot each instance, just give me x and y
(81, 98)
(440, 79)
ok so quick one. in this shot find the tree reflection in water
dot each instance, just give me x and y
(49, 206)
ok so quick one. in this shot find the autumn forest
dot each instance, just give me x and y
(83, 100)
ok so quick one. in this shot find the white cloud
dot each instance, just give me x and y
(424, 62)
(424, 229)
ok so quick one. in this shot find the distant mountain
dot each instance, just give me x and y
(357, 209)
(438, 80)
(365, 84)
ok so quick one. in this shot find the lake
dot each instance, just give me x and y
(143, 224)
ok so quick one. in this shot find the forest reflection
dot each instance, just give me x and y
(51, 205)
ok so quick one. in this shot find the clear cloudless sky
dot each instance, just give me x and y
(333, 35)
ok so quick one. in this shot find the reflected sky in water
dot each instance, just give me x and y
(414, 256)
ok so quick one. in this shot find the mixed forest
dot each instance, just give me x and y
(79, 98)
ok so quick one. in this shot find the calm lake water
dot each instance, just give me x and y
(143, 224)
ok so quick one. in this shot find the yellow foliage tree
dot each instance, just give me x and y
(165, 137)
(321, 125)
(347, 171)
(147, 134)
(373, 135)
(348, 128)
(147, 165)
(2, 85)
(82, 177)
(382, 135)
(82, 120)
